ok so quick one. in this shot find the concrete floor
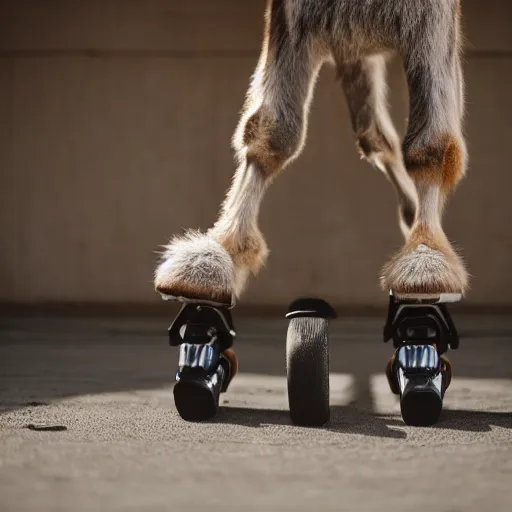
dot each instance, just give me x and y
(117, 443)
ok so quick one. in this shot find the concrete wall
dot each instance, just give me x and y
(115, 134)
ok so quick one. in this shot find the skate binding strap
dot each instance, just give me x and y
(202, 324)
(187, 300)
(427, 298)
(420, 321)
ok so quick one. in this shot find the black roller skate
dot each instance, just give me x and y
(419, 372)
(204, 333)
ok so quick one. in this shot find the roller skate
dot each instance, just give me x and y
(422, 331)
(204, 334)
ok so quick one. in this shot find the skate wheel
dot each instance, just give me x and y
(307, 362)
(195, 400)
(196, 394)
(421, 408)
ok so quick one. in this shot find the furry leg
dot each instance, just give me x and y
(215, 266)
(364, 85)
(435, 157)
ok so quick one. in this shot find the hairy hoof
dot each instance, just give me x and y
(196, 267)
(421, 270)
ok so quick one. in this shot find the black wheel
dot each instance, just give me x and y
(195, 400)
(421, 408)
(307, 367)
(196, 394)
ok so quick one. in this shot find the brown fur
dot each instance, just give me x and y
(250, 252)
(452, 166)
(422, 235)
(267, 145)
(440, 163)
(271, 142)
(268, 161)
(251, 128)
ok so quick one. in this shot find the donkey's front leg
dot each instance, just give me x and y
(215, 266)
(211, 269)
(435, 157)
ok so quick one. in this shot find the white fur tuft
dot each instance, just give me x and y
(196, 266)
(423, 270)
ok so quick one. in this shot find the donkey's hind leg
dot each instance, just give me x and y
(215, 266)
(435, 157)
(364, 84)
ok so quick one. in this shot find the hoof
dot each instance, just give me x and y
(422, 270)
(196, 267)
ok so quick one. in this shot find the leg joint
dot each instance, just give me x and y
(441, 161)
(271, 140)
(373, 141)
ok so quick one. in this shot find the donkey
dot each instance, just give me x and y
(357, 37)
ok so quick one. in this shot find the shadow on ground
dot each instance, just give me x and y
(43, 361)
(347, 420)
(351, 420)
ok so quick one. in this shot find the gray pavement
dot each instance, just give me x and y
(115, 441)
